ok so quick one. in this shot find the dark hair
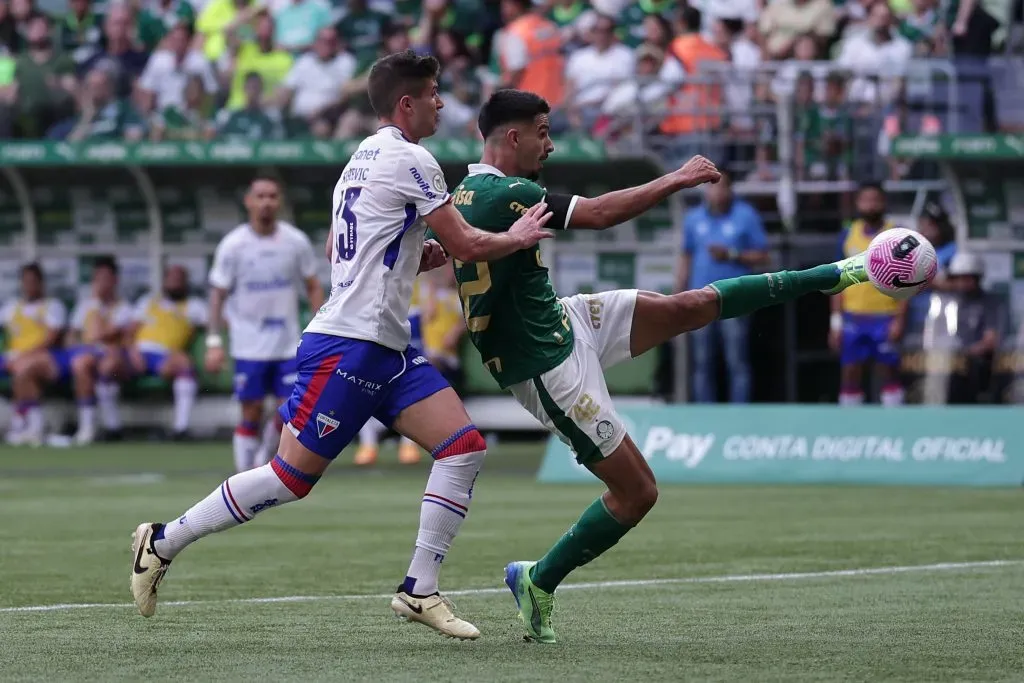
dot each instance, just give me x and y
(733, 27)
(395, 76)
(690, 16)
(33, 268)
(105, 262)
(870, 185)
(525, 5)
(938, 215)
(253, 76)
(264, 178)
(510, 106)
(666, 28)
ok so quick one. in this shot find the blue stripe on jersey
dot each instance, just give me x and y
(391, 253)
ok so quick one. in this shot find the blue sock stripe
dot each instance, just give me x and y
(460, 513)
(298, 474)
(227, 503)
(452, 439)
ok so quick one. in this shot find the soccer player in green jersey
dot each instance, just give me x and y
(551, 353)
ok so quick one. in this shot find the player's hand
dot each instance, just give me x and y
(528, 230)
(214, 360)
(698, 171)
(434, 256)
(835, 340)
(718, 252)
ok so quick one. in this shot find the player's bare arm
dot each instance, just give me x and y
(467, 243)
(617, 207)
(214, 357)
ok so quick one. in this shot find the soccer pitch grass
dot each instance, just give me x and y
(301, 593)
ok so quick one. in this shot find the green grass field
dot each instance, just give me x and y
(720, 583)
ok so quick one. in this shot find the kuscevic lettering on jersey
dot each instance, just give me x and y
(354, 361)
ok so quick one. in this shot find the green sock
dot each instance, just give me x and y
(743, 295)
(593, 533)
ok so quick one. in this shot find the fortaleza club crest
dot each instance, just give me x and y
(325, 425)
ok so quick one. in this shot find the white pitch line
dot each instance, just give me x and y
(637, 583)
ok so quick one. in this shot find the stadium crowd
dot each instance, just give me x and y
(266, 69)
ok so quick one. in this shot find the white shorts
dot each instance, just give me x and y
(572, 400)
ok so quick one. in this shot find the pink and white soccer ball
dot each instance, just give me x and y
(901, 262)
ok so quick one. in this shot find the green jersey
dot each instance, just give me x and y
(514, 318)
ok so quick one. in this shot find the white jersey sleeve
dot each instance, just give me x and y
(123, 315)
(80, 312)
(222, 273)
(377, 233)
(56, 314)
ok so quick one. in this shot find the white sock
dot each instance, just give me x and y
(245, 444)
(106, 397)
(185, 390)
(234, 502)
(269, 444)
(892, 396)
(444, 507)
(34, 422)
(851, 398)
(86, 417)
(369, 435)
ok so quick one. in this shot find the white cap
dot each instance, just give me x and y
(966, 263)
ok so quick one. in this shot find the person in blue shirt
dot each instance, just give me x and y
(723, 238)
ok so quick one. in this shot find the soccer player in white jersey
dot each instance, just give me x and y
(261, 264)
(354, 360)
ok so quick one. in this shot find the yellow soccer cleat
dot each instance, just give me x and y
(408, 453)
(365, 456)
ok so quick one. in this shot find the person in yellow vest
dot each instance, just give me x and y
(34, 328)
(165, 325)
(97, 341)
(530, 52)
(443, 326)
(864, 327)
(369, 436)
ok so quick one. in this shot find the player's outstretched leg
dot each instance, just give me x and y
(632, 492)
(289, 477)
(440, 424)
(658, 318)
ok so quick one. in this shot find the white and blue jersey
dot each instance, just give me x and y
(354, 360)
(263, 274)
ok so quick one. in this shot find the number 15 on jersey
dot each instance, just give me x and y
(345, 226)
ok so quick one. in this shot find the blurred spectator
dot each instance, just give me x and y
(80, 30)
(806, 60)
(723, 238)
(298, 24)
(740, 12)
(593, 71)
(876, 56)
(162, 84)
(923, 27)
(697, 108)
(824, 132)
(165, 324)
(312, 90)
(45, 81)
(34, 326)
(783, 21)
(118, 56)
(363, 30)
(189, 120)
(977, 315)
(645, 95)
(657, 31)
(443, 326)
(901, 119)
(359, 118)
(22, 12)
(935, 226)
(530, 52)
(459, 84)
(634, 15)
(215, 19)
(766, 131)
(103, 115)
(258, 56)
(575, 18)
(10, 41)
(744, 57)
(252, 121)
(864, 326)
(157, 18)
